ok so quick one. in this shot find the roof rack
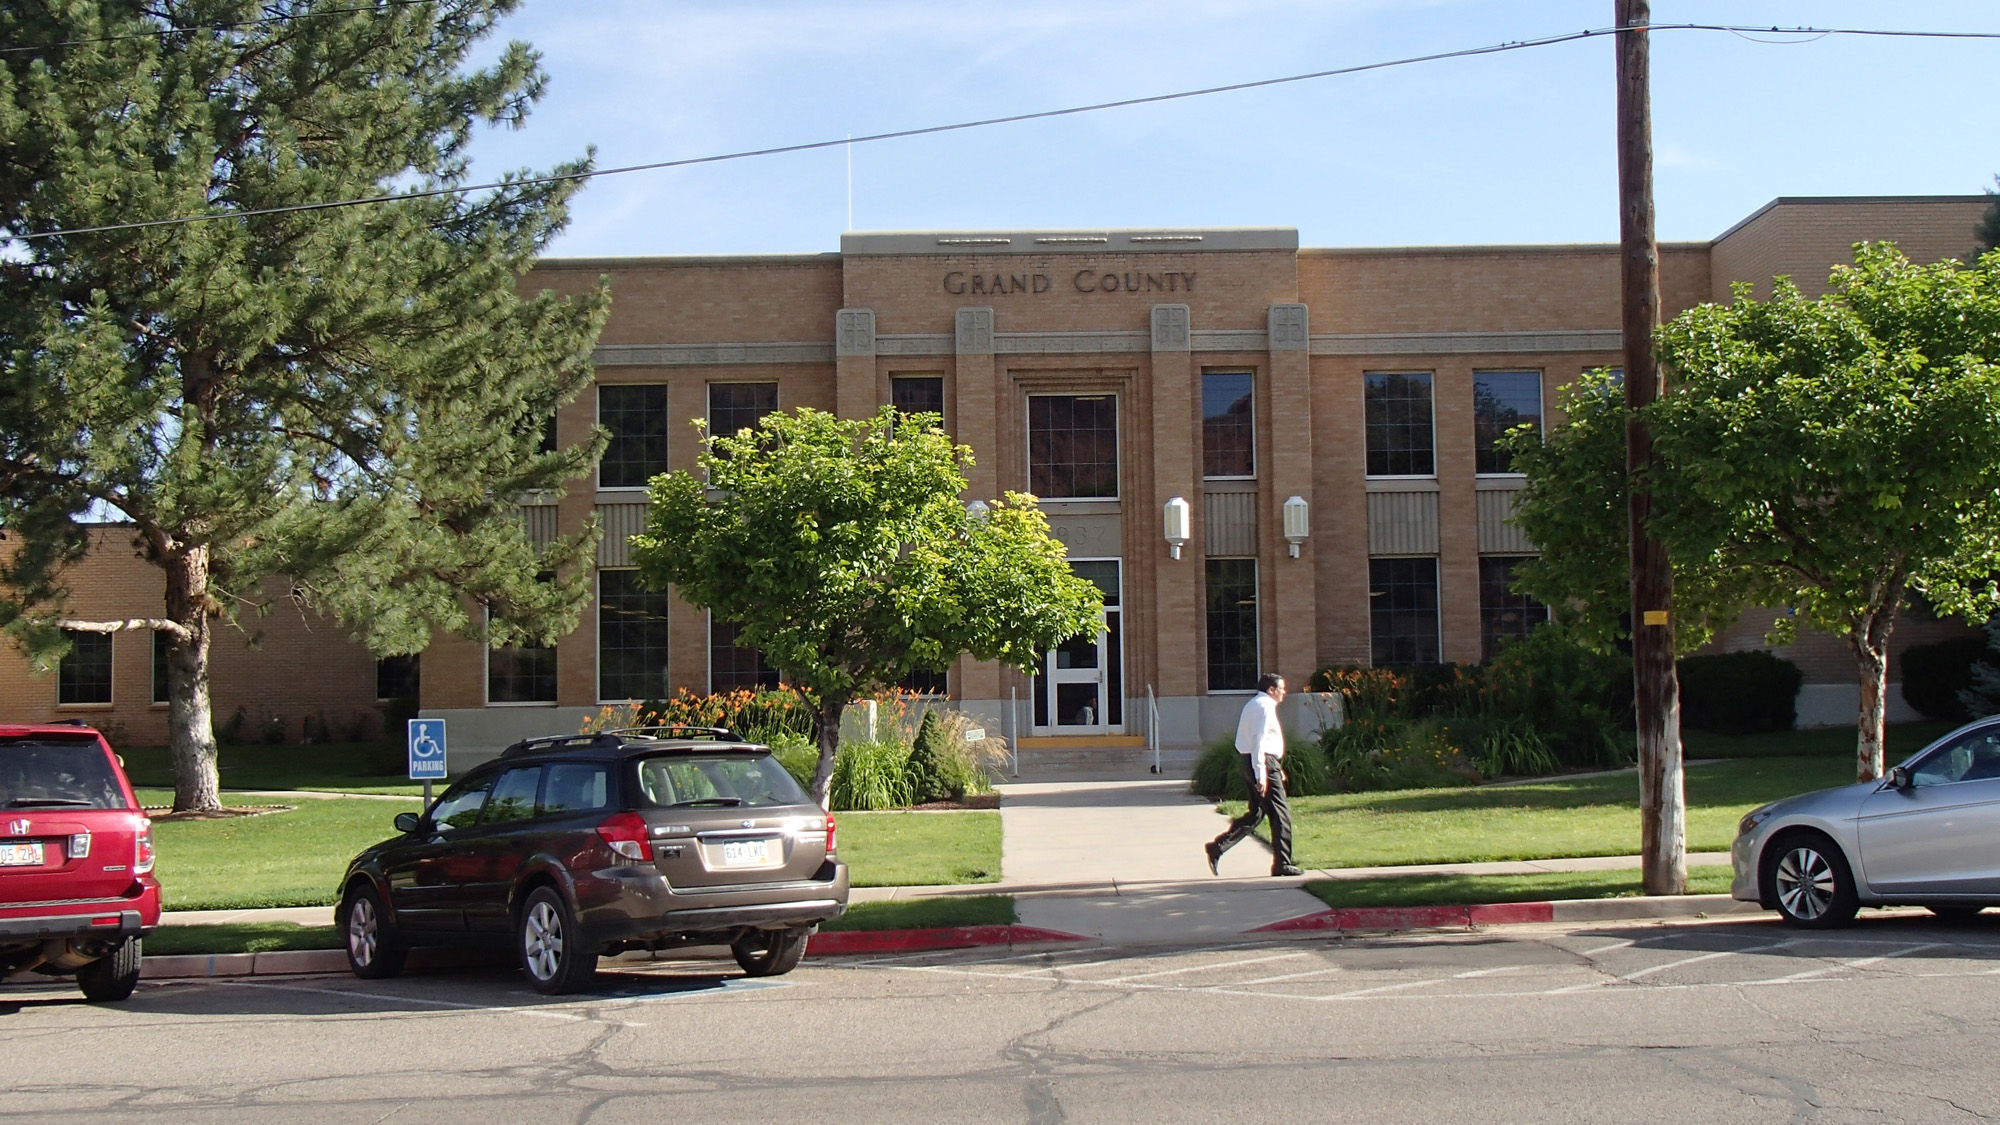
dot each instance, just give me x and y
(611, 739)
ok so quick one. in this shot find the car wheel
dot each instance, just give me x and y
(113, 977)
(1956, 914)
(375, 951)
(552, 951)
(1810, 881)
(771, 953)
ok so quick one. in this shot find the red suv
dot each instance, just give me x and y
(76, 860)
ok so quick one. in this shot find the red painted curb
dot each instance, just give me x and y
(1413, 917)
(915, 941)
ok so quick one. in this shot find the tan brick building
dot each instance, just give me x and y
(1111, 373)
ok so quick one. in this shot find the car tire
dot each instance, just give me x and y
(1957, 914)
(375, 951)
(1809, 879)
(553, 953)
(771, 953)
(111, 978)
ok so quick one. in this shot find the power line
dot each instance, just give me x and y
(1039, 115)
(225, 25)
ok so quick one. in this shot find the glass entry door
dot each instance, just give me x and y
(1080, 689)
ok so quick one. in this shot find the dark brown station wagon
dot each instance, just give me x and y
(581, 846)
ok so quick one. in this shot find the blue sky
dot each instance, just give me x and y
(1507, 148)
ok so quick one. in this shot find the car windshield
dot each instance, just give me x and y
(58, 773)
(717, 780)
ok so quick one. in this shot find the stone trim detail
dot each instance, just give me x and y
(914, 344)
(973, 331)
(1402, 523)
(1288, 328)
(854, 332)
(711, 355)
(1231, 340)
(1069, 343)
(620, 523)
(1466, 343)
(1172, 328)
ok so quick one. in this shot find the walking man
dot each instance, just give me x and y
(1260, 745)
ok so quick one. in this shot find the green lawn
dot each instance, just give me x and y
(927, 913)
(1467, 890)
(1583, 816)
(334, 767)
(911, 849)
(281, 859)
(296, 858)
(1904, 739)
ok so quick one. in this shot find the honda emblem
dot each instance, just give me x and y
(746, 824)
(17, 827)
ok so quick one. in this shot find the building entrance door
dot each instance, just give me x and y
(1080, 689)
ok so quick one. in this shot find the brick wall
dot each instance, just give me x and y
(1805, 238)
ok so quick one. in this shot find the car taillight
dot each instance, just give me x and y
(626, 833)
(79, 846)
(829, 834)
(142, 847)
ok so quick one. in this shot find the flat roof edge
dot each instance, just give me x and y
(1829, 200)
(946, 243)
(601, 262)
(1551, 248)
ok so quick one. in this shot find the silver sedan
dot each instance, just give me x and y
(1928, 835)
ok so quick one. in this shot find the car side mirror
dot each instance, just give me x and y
(408, 822)
(1899, 778)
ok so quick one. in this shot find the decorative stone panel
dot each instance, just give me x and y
(1497, 533)
(1288, 329)
(1172, 328)
(1229, 523)
(974, 331)
(620, 523)
(854, 332)
(1402, 523)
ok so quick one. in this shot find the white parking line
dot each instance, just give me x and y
(454, 1005)
(1203, 968)
(1332, 970)
(1661, 968)
(1862, 963)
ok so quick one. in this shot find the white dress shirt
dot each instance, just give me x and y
(1259, 734)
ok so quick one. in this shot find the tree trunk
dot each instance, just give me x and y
(190, 722)
(1871, 663)
(827, 719)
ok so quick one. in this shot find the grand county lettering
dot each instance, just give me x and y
(960, 283)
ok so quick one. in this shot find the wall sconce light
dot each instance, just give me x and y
(977, 510)
(1177, 524)
(1298, 522)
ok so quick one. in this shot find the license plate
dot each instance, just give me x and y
(21, 855)
(746, 853)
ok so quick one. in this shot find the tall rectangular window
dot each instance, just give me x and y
(1502, 400)
(1401, 441)
(399, 677)
(918, 394)
(636, 415)
(1073, 446)
(1228, 429)
(739, 406)
(1502, 612)
(163, 648)
(520, 673)
(1232, 624)
(631, 638)
(84, 676)
(1403, 611)
(731, 665)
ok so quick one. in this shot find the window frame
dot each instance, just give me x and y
(708, 400)
(1117, 446)
(1430, 381)
(487, 678)
(1437, 610)
(1251, 375)
(1256, 626)
(163, 683)
(597, 671)
(1489, 641)
(915, 376)
(709, 649)
(666, 435)
(110, 642)
(1541, 417)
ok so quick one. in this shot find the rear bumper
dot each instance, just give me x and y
(104, 919)
(649, 908)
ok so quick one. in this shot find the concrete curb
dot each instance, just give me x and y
(845, 942)
(1510, 913)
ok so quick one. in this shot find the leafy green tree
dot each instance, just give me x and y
(843, 550)
(1826, 455)
(353, 398)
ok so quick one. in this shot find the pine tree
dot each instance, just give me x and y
(1982, 697)
(929, 779)
(353, 398)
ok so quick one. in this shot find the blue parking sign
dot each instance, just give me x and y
(427, 749)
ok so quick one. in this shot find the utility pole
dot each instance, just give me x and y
(1656, 689)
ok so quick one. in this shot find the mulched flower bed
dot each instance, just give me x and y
(969, 801)
(159, 813)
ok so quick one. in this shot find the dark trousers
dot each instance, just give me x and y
(1271, 804)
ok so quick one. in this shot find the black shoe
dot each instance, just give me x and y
(1286, 869)
(1214, 857)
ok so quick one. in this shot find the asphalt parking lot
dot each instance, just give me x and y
(1897, 1017)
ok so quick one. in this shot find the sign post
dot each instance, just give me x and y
(427, 753)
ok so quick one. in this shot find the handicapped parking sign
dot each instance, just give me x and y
(427, 750)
